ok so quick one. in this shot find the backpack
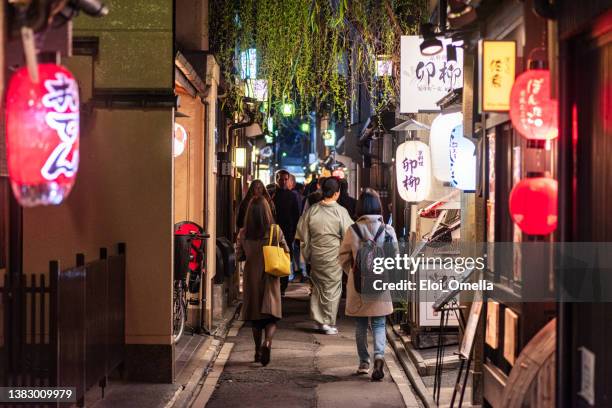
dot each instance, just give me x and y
(363, 265)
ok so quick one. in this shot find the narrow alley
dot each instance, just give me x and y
(307, 368)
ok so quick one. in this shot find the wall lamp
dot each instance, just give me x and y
(431, 45)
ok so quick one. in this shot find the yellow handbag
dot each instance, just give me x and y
(277, 261)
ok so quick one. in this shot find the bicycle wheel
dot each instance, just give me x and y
(178, 323)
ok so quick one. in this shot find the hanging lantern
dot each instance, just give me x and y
(413, 170)
(532, 111)
(533, 205)
(180, 139)
(462, 161)
(42, 135)
(439, 141)
(288, 109)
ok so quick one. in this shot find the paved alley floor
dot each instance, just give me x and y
(307, 369)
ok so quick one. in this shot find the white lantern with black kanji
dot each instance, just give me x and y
(413, 170)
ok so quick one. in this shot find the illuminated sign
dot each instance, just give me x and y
(248, 64)
(256, 89)
(329, 138)
(240, 157)
(498, 65)
(180, 140)
(384, 67)
(424, 80)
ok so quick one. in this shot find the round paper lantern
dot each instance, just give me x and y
(462, 161)
(42, 135)
(533, 205)
(413, 170)
(532, 111)
(439, 139)
(180, 140)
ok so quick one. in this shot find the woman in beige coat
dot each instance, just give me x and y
(262, 298)
(367, 308)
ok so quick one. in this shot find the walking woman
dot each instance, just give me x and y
(368, 309)
(262, 297)
(256, 189)
(320, 231)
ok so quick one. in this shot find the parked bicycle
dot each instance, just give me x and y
(189, 261)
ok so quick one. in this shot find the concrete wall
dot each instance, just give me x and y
(192, 24)
(123, 194)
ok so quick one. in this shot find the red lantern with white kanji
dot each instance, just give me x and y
(42, 135)
(533, 205)
(532, 111)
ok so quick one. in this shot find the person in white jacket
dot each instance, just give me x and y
(366, 308)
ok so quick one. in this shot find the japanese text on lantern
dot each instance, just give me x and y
(62, 100)
(410, 166)
(530, 104)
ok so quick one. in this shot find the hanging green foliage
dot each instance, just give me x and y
(315, 53)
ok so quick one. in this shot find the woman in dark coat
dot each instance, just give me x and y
(262, 297)
(256, 189)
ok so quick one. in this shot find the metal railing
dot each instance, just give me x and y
(66, 328)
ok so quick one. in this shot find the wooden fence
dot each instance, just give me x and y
(64, 328)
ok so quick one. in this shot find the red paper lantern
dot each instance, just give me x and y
(532, 111)
(533, 205)
(42, 135)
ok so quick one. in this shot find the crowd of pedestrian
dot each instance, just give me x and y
(324, 230)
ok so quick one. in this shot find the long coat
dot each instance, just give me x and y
(262, 297)
(356, 304)
(320, 231)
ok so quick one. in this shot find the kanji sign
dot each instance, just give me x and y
(498, 66)
(424, 80)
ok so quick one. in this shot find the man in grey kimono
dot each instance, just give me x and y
(320, 231)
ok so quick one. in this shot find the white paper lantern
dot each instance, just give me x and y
(413, 170)
(439, 139)
(462, 160)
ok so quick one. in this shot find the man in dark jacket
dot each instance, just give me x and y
(287, 213)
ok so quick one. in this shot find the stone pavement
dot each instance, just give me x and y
(307, 369)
